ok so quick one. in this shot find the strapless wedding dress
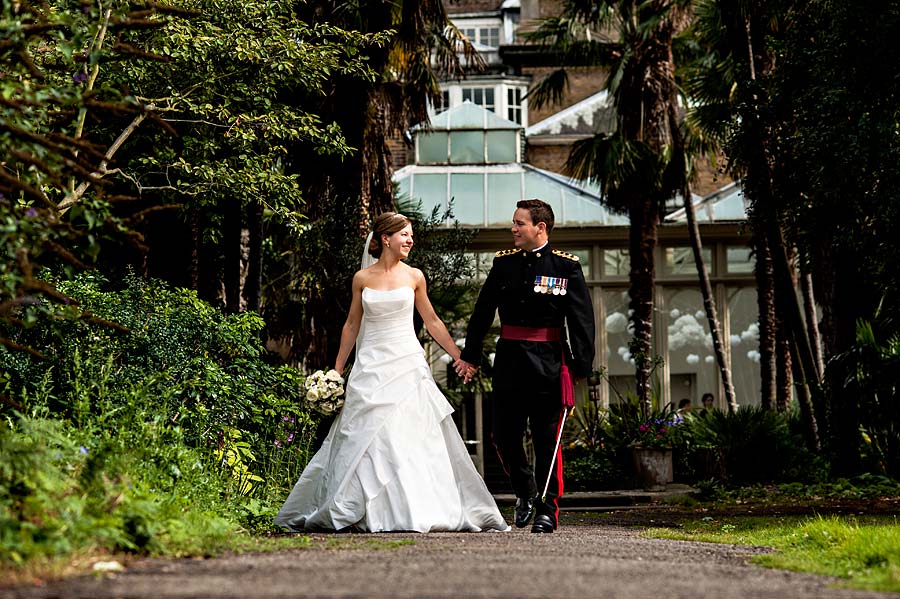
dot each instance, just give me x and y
(393, 459)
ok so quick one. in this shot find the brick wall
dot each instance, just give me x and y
(549, 158)
(583, 82)
(400, 152)
(461, 6)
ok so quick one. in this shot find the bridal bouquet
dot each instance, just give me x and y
(325, 391)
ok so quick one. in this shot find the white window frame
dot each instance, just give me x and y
(501, 90)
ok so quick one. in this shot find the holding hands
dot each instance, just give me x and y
(464, 370)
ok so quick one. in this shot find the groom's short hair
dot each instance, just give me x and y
(540, 211)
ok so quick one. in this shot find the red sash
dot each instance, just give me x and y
(514, 333)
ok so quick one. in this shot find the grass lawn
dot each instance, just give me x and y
(863, 550)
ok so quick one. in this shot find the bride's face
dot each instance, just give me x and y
(400, 242)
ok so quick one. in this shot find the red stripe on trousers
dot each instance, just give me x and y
(559, 473)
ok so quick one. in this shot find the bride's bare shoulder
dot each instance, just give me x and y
(361, 277)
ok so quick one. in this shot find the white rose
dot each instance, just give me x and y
(334, 375)
(313, 394)
(326, 407)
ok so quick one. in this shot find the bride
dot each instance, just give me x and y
(393, 459)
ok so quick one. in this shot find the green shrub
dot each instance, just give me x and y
(151, 436)
(751, 445)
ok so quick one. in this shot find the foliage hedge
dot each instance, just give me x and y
(747, 447)
(160, 434)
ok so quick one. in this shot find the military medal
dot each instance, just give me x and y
(562, 286)
(537, 284)
(555, 285)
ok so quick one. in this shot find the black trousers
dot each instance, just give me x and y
(541, 410)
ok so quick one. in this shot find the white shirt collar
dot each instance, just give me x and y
(540, 248)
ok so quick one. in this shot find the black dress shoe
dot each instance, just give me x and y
(542, 524)
(524, 511)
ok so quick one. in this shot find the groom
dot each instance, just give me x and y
(540, 293)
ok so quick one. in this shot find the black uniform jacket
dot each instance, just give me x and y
(510, 288)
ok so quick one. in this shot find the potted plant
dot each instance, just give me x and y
(651, 450)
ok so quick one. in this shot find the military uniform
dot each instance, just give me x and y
(545, 290)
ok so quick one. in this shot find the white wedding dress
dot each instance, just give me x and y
(393, 459)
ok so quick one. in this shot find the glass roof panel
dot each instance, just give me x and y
(501, 146)
(471, 116)
(467, 147)
(431, 190)
(504, 190)
(582, 210)
(467, 191)
(432, 147)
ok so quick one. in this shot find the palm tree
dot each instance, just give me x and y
(641, 164)
(415, 45)
(731, 102)
(418, 46)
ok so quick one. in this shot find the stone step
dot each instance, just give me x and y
(588, 500)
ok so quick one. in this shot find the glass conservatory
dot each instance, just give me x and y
(472, 158)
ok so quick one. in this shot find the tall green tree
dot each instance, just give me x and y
(731, 97)
(641, 164)
(421, 47)
(114, 116)
(835, 103)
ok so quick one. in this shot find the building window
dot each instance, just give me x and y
(691, 358)
(616, 263)
(485, 36)
(743, 317)
(482, 96)
(432, 148)
(514, 104)
(489, 36)
(680, 260)
(740, 260)
(443, 103)
(619, 334)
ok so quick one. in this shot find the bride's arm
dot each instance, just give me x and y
(351, 326)
(433, 324)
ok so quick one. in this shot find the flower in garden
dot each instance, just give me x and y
(83, 450)
(30, 213)
(79, 77)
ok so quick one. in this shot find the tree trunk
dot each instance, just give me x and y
(844, 408)
(642, 243)
(196, 241)
(765, 300)
(790, 311)
(812, 323)
(253, 284)
(709, 302)
(784, 365)
(231, 255)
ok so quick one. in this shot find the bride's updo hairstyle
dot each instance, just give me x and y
(386, 223)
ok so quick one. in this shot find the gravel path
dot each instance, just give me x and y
(582, 559)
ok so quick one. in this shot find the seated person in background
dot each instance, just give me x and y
(709, 401)
(684, 406)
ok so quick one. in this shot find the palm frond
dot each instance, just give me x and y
(550, 90)
(615, 164)
(451, 49)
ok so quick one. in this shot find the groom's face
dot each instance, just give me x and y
(525, 233)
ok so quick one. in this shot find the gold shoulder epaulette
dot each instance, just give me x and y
(566, 255)
(503, 253)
